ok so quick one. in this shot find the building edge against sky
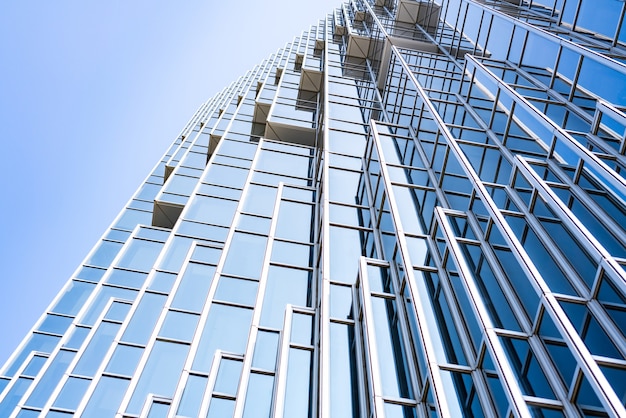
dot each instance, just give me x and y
(412, 209)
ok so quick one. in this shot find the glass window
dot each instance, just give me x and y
(72, 393)
(78, 336)
(211, 210)
(48, 382)
(175, 254)
(284, 286)
(131, 218)
(344, 400)
(127, 278)
(55, 324)
(117, 311)
(158, 410)
(91, 274)
(302, 329)
(227, 329)
(203, 231)
(253, 223)
(260, 200)
(13, 396)
(230, 289)
(162, 282)
(245, 255)
(220, 408)
(259, 396)
(106, 398)
(192, 396)
(104, 253)
(91, 358)
(124, 360)
(140, 255)
(37, 342)
(297, 394)
(179, 326)
(291, 253)
(344, 185)
(294, 221)
(143, 320)
(228, 375)
(105, 294)
(265, 350)
(194, 286)
(280, 163)
(345, 250)
(208, 255)
(160, 374)
(34, 366)
(226, 176)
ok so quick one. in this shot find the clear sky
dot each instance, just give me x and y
(91, 95)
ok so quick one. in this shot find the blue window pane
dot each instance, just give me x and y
(340, 302)
(228, 375)
(72, 393)
(131, 218)
(90, 274)
(126, 278)
(140, 255)
(245, 255)
(175, 254)
(260, 200)
(28, 413)
(78, 335)
(208, 255)
(160, 374)
(344, 400)
(179, 326)
(211, 210)
(297, 395)
(221, 408)
(34, 366)
(143, 320)
(391, 354)
(37, 342)
(294, 254)
(302, 329)
(230, 289)
(345, 247)
(294, 221)
(50, 379)
(227, 329)
(104, 253)
(14, 395)
(259, 396)
(399, 411)
(106, 398)
(117, 311)
(265, 350)
(74, 298)
(55, 324)
(284, 286)
(192, 396)
(162, 282)
(98, 346)
(194, 286)
(124, 360)
(158, 410)
(105, 294)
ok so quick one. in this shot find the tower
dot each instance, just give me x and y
(414, 208)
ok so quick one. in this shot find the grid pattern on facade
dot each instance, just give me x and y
(414, 209)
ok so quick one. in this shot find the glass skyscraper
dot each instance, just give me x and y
(414, 209)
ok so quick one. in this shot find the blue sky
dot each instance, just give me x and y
(91, 95)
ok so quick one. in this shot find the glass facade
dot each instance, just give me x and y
(414, 209)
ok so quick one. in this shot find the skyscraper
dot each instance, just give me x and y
(412, 209)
